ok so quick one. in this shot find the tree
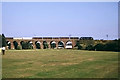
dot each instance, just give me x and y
(8, 44)
(112, 46)
(119, 45)
(37, 45)
(26, 45)
(90, 47)
(99, 47)
(15, 44)
(21, 43)
(0, 41)
(60, 44)
(45, 45)
(3, 44)
(78, 45)
(53, 44)
(3, 41)
(30, 45)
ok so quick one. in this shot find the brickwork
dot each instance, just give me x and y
(41, 39)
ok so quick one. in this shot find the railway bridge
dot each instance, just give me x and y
(41, 40)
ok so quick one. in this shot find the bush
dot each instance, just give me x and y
(27, 45)
(79, 47)
(9, 45)
(15, 44)
(19, 48)
(90, 47)
(3, 41)
(38, 46)
(53, 45)
(45, 45)
(99, 47)
(112, 46)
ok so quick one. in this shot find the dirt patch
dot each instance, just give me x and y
(68, 63)
(90, 59)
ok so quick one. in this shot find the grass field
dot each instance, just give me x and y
(59, 64)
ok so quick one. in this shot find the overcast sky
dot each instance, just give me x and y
(28, 19)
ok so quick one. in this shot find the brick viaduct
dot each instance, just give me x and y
(41, 39)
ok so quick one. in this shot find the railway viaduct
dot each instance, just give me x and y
(42, 39)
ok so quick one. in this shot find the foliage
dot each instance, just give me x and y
(60, 44)
(112, 46)
(109, 46)
(0, 41)
(26, 45)
(9, 45)
(21, 43)
(45, 45)
(19, 48)
(37, 45)
(15, 44)
(90, 47)
(3, 41)
(53, 45)
(86, 42)
(78, 45)
(99, 47)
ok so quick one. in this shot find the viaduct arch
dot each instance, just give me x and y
(40, 40)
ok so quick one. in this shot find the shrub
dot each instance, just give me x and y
(111, 46)
(99, 47)
(27, 45)
(19, 48)
(45, 45)
(37, 45)
(53, 45)
(90, 47)
(79, 47)
(15, 44)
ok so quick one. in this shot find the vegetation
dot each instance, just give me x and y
(15, 44)
(82, 44)
(0, 41)
(90, 47)
(61, 44)
(3, 41)
(78, 45)
(8, 44)
(45, 45)
(37, 45)
(26, 45)
(53, 45)
(99, 47)
(112, 45)
(19, 48)
(59, 64)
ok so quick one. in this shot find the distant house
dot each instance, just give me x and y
(86, 38)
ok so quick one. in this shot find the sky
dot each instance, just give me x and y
(59, 19)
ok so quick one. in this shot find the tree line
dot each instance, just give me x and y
(110, 45)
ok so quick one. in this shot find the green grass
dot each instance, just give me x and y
(59, 64)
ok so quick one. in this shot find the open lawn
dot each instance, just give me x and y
(59, 64)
